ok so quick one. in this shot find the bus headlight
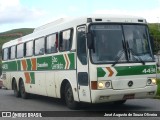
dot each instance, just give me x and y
(100, 85)
(154, 81)
(151, 81)
(104, 84)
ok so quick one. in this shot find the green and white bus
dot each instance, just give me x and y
(95, 59)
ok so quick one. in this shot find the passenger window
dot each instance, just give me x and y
(5, 54)
(29, 48)
(39, 46)
(20, 51)
(13, 52)
(66, 40)
(51, 43)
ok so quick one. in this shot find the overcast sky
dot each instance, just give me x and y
(33, 13)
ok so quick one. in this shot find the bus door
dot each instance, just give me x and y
(82, 65)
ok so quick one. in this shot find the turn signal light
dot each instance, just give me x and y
(94, 85)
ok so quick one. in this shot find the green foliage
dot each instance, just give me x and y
(12, 35)
(158, 89)
(154, 29)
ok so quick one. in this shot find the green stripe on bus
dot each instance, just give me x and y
(12, 66)
(135, 70)
(71, 58)
(29, 64)
(100, 72)
(58, 62)
(129, 70)
(19, 65)
(44, 63)
(55, 62)
(32, 77)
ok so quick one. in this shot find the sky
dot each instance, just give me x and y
(33, 13)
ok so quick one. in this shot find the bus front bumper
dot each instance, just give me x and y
(109, 95)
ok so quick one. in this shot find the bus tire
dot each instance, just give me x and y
(120, 102)
(23, 92)
(69, 97)
(15, 89)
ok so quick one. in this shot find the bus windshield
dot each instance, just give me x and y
(125, 43)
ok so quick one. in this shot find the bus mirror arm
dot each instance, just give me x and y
(90, 42)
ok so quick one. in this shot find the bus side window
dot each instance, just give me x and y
(20, 50)
(39, 47)
(5, 54)
(29, 49)
(51, 43)
(12, 52)
(65, 43)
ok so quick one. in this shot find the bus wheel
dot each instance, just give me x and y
(23, 93)
(120, 102)
(69, 97)
(16, 92)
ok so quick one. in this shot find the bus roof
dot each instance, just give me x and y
(65, 23)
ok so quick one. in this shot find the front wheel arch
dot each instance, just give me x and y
(69, 97)
(62, 89)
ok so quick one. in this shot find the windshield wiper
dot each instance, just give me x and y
(124, 50)
(134, 54)
(118, 57)
(127, 50)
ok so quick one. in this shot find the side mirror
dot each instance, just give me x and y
(90, 41)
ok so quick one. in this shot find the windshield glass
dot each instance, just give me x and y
(110, 43)
(137, 39)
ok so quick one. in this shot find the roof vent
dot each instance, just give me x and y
(140, 20)
(98, 19)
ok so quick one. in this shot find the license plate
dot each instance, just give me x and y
(129, 96)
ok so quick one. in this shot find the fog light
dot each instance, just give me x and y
(149, 81)
(107, 84)
(100, 85)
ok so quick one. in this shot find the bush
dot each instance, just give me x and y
(158, 89)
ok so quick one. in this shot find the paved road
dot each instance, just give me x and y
(39, 103)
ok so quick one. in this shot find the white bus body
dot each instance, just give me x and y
(90, 59)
